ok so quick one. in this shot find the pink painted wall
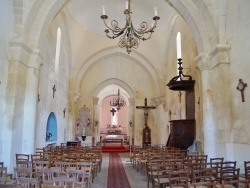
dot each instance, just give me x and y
(106, 116)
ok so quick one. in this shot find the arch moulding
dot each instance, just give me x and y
(118, 82)
(202, 30)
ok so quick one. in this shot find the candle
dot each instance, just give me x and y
(103, 10)
(126, 4)
(178, 45)
(155, 11)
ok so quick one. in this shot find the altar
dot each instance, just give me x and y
(112, 138)
(114, 131)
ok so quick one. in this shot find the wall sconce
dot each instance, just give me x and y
(130, 123)
(96, 123)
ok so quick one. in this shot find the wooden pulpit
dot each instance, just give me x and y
(182, 133)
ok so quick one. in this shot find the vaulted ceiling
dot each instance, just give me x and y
(87, 12)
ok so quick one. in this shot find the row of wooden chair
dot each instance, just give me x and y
(52, 176)
(224, 172)
(63, 154)
(173, 174)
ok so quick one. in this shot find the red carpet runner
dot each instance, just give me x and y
(110, 149)
(117, 177)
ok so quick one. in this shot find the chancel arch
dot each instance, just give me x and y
(109, 88)
(114, 52)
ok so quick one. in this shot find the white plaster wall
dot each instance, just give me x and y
(47, 79)
(237, 31)
(6, 19)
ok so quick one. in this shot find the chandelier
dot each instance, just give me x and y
(118, 101)
(129, 36)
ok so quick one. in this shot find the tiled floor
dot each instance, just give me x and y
(136, 179)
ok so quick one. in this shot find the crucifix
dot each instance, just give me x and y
(54, 90)
(169, 114)
(146, 137)
(64, 111)
(146, 108)
(113, 111)
(241, 86)
(179, 96)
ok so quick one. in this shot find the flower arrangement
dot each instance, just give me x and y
(49, 135)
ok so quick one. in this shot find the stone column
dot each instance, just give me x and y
(74, 98)
(161, 133)
(96, 119)
(203, 64)
(215, 100)
(131, 116)
(21, 101)
(30, 104)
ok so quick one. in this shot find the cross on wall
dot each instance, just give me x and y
(146, 108)
(241, 87)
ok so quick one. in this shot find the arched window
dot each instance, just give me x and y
(178, 48)
(51, 129)
(58, 48)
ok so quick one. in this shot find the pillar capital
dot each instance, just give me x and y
(74, 97)
(36, 59)
(158, 100)
(95, 100)
(203, 62)
(218, 55)
(131, 101)
(22, 53)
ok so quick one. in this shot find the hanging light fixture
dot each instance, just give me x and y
(118, 101)
(129, 36)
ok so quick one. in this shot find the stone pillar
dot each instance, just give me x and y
(216, 100)
(30, 104)
(96, 119)
(161, 133)
(131, 117)
(74, 98)
(203, 64)
(21, 102)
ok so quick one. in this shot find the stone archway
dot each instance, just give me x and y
(129, 97)
(200, 22)
(140, 59)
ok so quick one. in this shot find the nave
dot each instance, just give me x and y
(136, 179)
(142, 167)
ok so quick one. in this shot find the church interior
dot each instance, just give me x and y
(69, 73)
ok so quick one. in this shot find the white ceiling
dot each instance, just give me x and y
(88, 12)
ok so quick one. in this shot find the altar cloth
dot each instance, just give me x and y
(114, 137)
